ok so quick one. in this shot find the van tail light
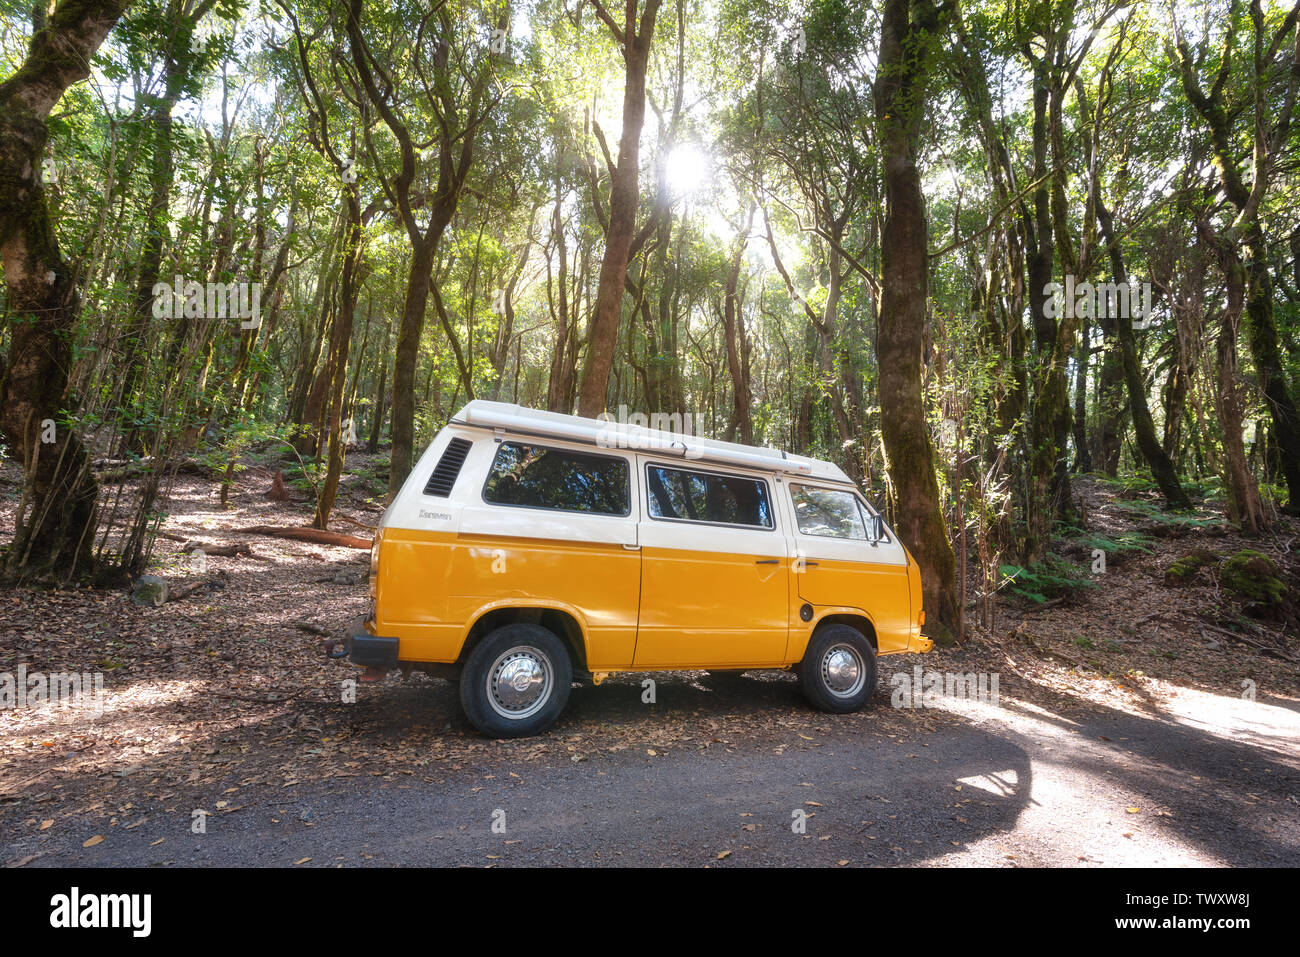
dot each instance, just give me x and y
(920, 620)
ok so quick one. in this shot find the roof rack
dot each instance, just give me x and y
(609, 434)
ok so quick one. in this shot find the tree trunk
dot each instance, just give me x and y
(900, 84)
(1261, 335)
(381, 394)
(336, 363)
(1162, 467)
(623, 196)
(1083, 352)
(55, 521)
(737, 364)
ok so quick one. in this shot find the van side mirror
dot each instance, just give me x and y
(877, 528)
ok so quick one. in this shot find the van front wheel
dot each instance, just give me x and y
(516, 681)
(838, 671)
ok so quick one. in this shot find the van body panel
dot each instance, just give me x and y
(826, 582)
(851, 576)
(801, 632)
(597, 582)
(706, 609)
(916, 643)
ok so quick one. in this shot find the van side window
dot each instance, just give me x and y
(708, 497)
(531, 476)
(822, 511)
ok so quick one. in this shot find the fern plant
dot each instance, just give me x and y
(1042, 581)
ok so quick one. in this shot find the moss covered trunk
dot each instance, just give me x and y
(55, 523)
(906, 35)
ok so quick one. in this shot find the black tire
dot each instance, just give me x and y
(535, 653)
(823, 677)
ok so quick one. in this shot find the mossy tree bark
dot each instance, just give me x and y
(54, 527)
(908, 30)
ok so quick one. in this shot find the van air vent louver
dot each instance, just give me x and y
(444, 476)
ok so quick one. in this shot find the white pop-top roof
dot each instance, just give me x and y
(612, 434)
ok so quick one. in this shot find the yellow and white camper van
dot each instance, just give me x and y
(530, 549)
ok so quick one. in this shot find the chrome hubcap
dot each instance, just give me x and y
(842, 670)
(519, 683)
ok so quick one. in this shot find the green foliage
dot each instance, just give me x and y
(1052, 578)
(1153, 512)
(1124, 544)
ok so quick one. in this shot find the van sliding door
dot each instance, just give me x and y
(714, 568)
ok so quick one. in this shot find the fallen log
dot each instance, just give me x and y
(191, 467)
(318, 535)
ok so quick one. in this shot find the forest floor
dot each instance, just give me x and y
(1136, 723)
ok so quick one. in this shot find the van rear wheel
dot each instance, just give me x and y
(838, 671)
(516, 681)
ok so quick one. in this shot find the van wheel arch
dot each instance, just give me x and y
(562, 624)
(859, 622)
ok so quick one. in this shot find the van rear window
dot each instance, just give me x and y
(708, 497)
(531, 476)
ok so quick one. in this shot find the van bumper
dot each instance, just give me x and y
(366, 649)
(920, 644)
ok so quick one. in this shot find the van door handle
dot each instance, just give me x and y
(631, 548)
(768, 561)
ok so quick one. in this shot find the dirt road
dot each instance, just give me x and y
(1009, 785)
